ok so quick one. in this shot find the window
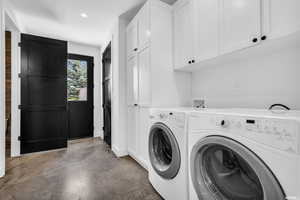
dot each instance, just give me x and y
(77, 80)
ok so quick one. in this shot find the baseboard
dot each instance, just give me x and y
(118, 152)
(141, 162)
(2, 173)
(98, 133)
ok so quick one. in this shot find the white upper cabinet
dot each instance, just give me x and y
(144, 27)
(280, 18)
(183, 34)
(144, 78)
(132, 39)
(132, 81)
(196, 31)
(240, 24)
(138, 32)
(206, 27)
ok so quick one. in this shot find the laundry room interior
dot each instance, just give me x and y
(150, 99)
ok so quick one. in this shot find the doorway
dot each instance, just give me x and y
(106, 88)
(8, 50)
(80, 72)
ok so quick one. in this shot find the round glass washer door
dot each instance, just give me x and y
(223, 169)
(164, 151)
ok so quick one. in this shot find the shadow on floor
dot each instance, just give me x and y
(86, 170)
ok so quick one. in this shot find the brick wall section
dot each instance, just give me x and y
(8, 90)
(8, 73)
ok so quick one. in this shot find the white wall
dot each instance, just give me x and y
(2, 92)
(256, 82)
(75, 48)
(16, 84)
(9, 22)
(119, 107)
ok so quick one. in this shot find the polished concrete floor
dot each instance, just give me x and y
(86, 170)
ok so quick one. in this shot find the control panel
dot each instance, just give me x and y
(175, 118)
(278, 133)
(281, 134)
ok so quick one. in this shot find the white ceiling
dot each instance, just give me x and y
(61, 19)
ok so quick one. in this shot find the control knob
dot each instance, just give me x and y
(224, 123)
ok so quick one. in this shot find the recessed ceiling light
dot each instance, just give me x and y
(84, 15)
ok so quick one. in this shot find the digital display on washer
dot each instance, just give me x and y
(250, 121)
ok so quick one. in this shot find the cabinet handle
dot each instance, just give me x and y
(190, 62)
(193, 61)
(135, 105)
(135, 49)
(263, 37)
(255, 40)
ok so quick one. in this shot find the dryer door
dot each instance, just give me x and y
(164, 151)
(224, 169)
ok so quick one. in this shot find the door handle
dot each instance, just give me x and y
(135, 105)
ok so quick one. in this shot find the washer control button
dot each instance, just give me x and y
(224, 123)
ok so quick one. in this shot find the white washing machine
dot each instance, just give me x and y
(244, 155)
(168, 153)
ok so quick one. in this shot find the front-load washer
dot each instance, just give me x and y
(168, 153)
(244, 155)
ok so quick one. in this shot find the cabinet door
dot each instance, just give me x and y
(143, 134)
(280, 18)
(206, 27)
(183, 34)
(144, 27)
(132, 81)
(240, 24)
(132, 139)
(131, 38)
(144, 84)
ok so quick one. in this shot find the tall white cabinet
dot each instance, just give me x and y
(207, 29)
(143, 77)
(151, 81)
(132, 81)
(131, 39)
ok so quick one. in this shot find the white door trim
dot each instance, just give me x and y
(8, 23)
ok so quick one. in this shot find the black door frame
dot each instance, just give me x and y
(90, 92)
(106, 57)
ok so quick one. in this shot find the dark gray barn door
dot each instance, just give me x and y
(43, 94)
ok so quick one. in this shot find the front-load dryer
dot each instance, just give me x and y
(244, 155)
(168, 153)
